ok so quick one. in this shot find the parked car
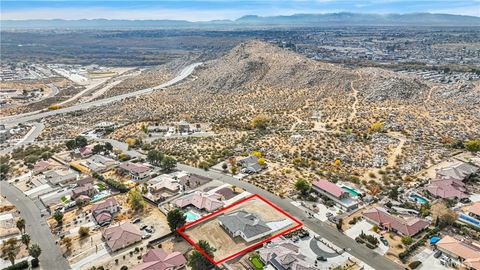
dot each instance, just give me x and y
(149, 230)
(136, 220)
(437, 254)
(384, 241)
(145, 236)
(142, 226)
(321, 258)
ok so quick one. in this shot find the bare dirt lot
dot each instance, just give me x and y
(211, 231)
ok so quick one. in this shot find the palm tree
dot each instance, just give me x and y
(21, 225)
(11, 254)
(35, 251)
(26, 239)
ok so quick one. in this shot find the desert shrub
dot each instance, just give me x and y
(414, 264)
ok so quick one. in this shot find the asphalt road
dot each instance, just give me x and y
(22, 118)
(29, 138)
(51, 257)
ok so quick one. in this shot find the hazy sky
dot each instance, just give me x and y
(202, 10)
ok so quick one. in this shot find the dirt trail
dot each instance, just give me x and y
(355, 96)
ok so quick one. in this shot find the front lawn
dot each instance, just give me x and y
(256, 262)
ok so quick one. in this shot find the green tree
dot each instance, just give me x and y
(58, 216)
(197, 261)
(108, 146)
(21, 225)
(176, 219)
(26, 239)
(168, 163)
(135, 199)
(81, 141)
(302, 186)
(155, 157)
(472, 145)
(35, 251)
(97, 148)
(71, 144)
(407, 240)
(4, 168)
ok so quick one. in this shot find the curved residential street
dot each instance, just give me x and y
(22, 118)
(323, 229)
(36, 226)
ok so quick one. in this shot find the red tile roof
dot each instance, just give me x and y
(122, 235)
(104, 204)
(475, 208)
(329, 187)
(406, 227)
(158, 259)
(447, 188)
(134, 167)
(465, 250)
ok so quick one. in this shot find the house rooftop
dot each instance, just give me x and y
(247, 223)
(458, 170)
(463, 249)
(475, 208)
(121, 235)
(135, 167)
(158, 259)
(329, 187)
(407, 227)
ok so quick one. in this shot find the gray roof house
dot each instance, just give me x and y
(458, 170)
(250, 164)
(244, 224)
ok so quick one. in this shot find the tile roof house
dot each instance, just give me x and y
(383, 219)
(60, 177)
(450, 188)
(109, 206)
(163, 183)
(87, 190)
(121, 236)
(84, 151)
(282, 255)
(200, 200)
(340, 196)
(474, 210)
(40, 167)
(458, 170)
(99, 163)
(466, 253)
(137, 171)
(244, 224)
(158, 259)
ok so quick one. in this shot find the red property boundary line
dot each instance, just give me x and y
(180, 230)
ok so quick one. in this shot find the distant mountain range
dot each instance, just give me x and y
(254, 21)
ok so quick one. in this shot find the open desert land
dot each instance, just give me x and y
(211, 231)
(382, 126)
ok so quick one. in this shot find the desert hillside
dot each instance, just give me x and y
(372, 120)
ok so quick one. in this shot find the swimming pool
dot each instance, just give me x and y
(102, 194)
(191, 216)
(418, 199)
(350, 190)
(469, 220)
